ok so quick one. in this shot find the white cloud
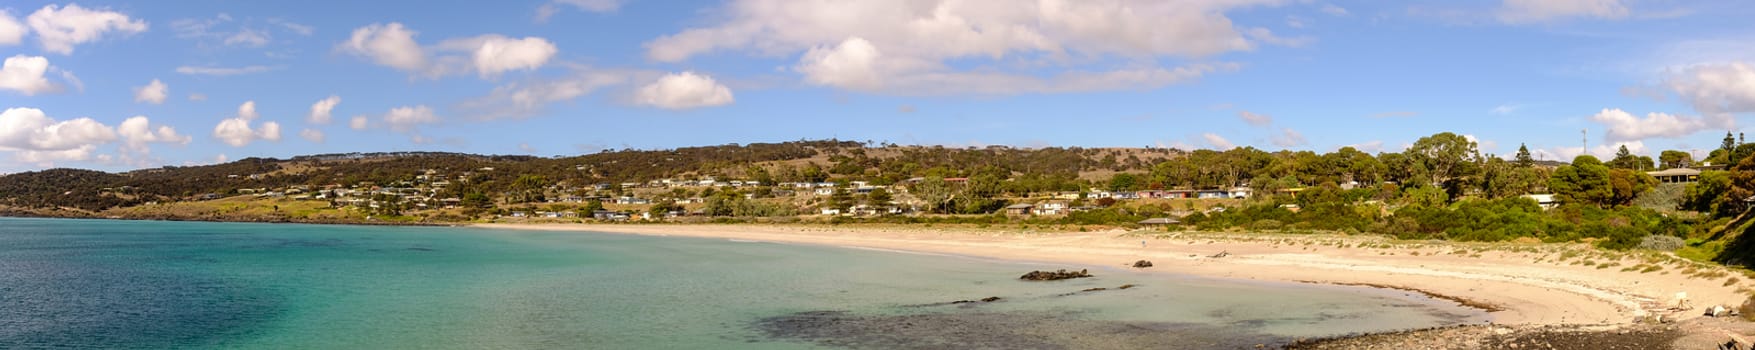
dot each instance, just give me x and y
(25, 74)
(493, 54)
(393, 45)
(223, 71)
(237, 131)
(599, 6)
(1531, 11)
(60, 28)
(320, 111)
(137, 132)
(154, 92)
(359, 122)
(222, 30)
(1624, 126)
(312, 135)
(1372, 147)
(526, 148)
(1289, 138)
(523, 99)
(974, 47)
(406, 118)
(1482, 145)
(1603, 152)
(11, 31)
(1255, 119)
(1716, 89)
(35, 138)
(1218, 142)
(1333, 10)
(389, 45)
(197, 97)
(683, 91)
(1505, 109)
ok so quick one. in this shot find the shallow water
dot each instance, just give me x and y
(141, 284)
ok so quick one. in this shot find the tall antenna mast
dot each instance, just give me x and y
(1584, 141)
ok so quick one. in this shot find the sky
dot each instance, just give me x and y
(114, 85)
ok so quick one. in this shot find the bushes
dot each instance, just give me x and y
(1662, 243)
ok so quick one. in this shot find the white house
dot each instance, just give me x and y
(1545, 200)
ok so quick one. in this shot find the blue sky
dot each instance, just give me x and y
(563, 77)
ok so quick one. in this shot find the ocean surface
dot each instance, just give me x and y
(195, 285)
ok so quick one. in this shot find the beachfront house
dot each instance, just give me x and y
(1022, 209)
(1547, 201)
(1676, 175)
(1051, 208)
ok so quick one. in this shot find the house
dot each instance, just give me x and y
(609, 215)
(1545, 200)
(1241, 192)
(824, 191)
(1051, 208)
(1676, 175)
(1213, 194)
(1019, 209)
(1159, 222)
(831, 211)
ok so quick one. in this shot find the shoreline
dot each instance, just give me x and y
(1512, 287)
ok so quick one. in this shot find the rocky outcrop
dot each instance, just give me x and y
(1054, 275)
(1142, 264)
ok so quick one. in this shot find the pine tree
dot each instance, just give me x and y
(1729, 144)
(1523, 156)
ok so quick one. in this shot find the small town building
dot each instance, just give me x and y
(1019, 209)
(1676, 175)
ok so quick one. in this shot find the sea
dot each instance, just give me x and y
(117, 284)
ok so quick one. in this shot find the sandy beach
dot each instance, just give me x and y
(1525, 284)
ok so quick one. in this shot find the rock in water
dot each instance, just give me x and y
(990, 299)
(1142, 264)
(1054, 275)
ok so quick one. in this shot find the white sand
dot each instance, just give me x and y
(1525, 291)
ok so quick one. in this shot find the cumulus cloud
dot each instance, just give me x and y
(907, 47)
(1288, 138)
(11, 31)
(154, 92)
(359, 122)
(407, 118)
(312, 135)
(238, 132)
(493, 54)
(223, 71)
(1254, 118)
(1531, 11)
(26, 75)
(1372, 147)
(393, 45)
(59, 29)
(320, 111)
(1625, 126)
(1603, 151)
(1217, 142)
(137, 132)
(684, 90)
(35, 138)
(1716, 90)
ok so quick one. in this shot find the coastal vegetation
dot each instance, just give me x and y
(1441, 187)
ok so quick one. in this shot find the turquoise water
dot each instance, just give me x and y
(142, 284)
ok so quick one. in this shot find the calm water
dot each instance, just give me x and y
(135, 284)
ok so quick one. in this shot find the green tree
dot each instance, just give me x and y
(1625, 159)
(933, 192)
(1627, 184)
(1585, 181)
(1523, 156)
(1671, 159)
(878, 197)
(1446, 156)
(1710, 194)
(1123, 182)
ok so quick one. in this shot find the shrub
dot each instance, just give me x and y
(1266, 225)
(1662, 243)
